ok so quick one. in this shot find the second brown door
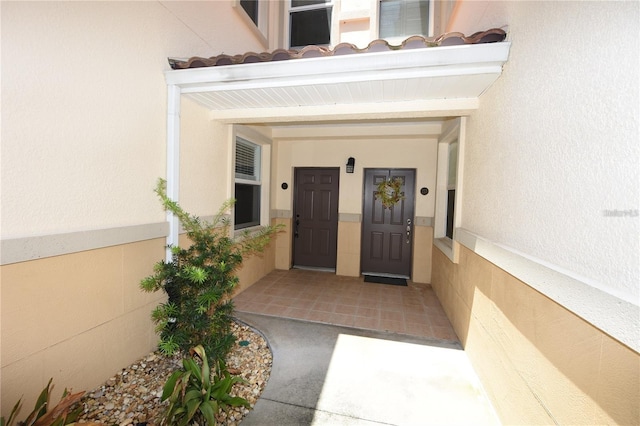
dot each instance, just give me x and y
(387, 233)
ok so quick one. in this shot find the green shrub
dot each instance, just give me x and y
(196, 395)
(199, 281)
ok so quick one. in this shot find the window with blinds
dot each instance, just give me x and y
(247, 160)
(403, 18)
(248, 186)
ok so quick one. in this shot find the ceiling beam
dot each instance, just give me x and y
(389, 111)
(367, 129)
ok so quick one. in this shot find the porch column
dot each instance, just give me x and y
(173, 162)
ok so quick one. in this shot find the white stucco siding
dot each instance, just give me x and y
(554, 147)
(84, 107)
(206, 174)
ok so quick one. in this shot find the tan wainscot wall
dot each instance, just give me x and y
(283, 243)
(257, 265)
(349, 234)
(538, 362)
(82, 317)
(77, 318)
(349, 248)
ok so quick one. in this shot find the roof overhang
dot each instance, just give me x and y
(414, 83)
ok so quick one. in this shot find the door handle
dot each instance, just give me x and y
(408, 231)
(295, 231)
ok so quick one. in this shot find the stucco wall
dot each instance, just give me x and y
(84, 107)
(205, 161)
(77, 318)
(417, 152)
(398, 152)
(84, 118)
(554, 145)
(538, 362)
(552, 150)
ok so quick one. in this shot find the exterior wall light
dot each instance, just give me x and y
(351, 164)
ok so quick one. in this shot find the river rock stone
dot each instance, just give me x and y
(132, 395)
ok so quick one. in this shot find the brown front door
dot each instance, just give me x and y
(315, 217)
(387, 233)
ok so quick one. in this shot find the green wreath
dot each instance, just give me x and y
(389, 192)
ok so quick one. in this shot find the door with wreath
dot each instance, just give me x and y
(387, 222)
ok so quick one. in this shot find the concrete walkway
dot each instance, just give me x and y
(331, 375)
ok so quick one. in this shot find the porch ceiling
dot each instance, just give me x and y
(415, 83)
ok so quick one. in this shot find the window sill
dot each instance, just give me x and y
(248, 230)
(446, 246)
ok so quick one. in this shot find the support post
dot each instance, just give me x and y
(173, 162)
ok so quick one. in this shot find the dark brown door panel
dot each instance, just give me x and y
(315, 221)
(387, 233)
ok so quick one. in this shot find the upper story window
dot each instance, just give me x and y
(404, 18)
(251, 9)
(309, 22)
(255, 14)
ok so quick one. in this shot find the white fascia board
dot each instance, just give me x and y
(352, 77)
(412, 63)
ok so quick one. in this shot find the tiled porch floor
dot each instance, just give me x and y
(348, 301)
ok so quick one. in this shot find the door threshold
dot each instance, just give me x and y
(382, 274)
(314, 268)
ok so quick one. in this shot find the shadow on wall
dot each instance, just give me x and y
(572, 371)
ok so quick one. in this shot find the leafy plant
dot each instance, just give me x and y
(195, 394)
(60, 415)
(12, 416)
(199, 281)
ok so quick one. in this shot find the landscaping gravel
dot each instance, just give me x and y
(132, 395)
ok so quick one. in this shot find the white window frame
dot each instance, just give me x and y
(287, 21)
(261, 29)
(453, 132)
(254, 137)
(375, 23)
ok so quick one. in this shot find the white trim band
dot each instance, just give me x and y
(39, 247)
